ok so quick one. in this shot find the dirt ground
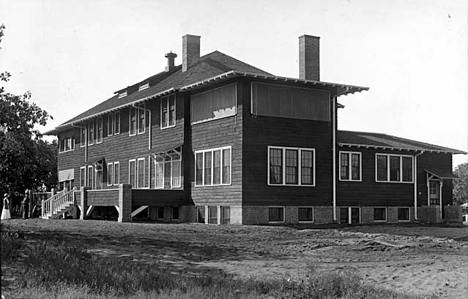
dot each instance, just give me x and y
(410, 258)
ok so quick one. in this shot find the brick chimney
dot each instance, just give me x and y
(170, 61)
(190, 51)
(309, 57)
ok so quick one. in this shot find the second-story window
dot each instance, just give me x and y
(99, 132)
(66, 144)
(137, 121)
(141, 121)
(168, 112)
(91, 132)
(117, 123)
(82, 136)
(133, 121)
(110, 124)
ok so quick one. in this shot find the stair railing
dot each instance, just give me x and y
(55, 203)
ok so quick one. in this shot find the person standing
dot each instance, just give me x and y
(25, 204)
(6, 207)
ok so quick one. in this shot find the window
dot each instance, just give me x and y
(201, 214)
(83, 137)
(143, 87)
(213, 167)
(132, 122)
(122, 94)
(394, 168)
(110, 124)
(90, 177)
(99, 132)
(403, 214)
(116, 178)
(110, 173)
(160, 213)
(350, 215)
(117, 123)
(290, 102)
(141, 173)
(306, 214)
(66, 144)
(213, 104)
(132, 173)
(175, 213)
(350, 166)
(276, 214)
(91, 132)
(168, 112)
(168, 170)
(213, 215)
(141, 121)
(82, 176)
(291, 166)
(225, 215)
(380, 214)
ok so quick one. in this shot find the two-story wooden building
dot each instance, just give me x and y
(216, 140)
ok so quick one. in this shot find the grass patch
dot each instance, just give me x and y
(53, 269)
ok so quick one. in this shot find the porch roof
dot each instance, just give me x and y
(441, 174)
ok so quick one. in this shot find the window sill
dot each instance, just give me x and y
(168, 127)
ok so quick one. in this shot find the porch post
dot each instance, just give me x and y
(84, 202)
(125, 203)
(441, 184)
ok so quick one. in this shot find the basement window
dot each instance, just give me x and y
(380, 214)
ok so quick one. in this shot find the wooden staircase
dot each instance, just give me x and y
(57, 205)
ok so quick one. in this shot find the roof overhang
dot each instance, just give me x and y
(342, 89)
(402, 148)
(446, 175)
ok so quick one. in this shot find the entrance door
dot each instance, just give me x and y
(434, 193)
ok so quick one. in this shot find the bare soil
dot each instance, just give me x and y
(410, 258)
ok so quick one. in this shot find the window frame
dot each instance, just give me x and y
(83, 132)
(91, 132)
(172, 213)
(99, 130)
(130, 132)
(168, 106)
(350, 170)
(130, 172)
(143, 173)
(386, 214)
(162, 164)
(110, 124)
(299, 166)
(213, 216)
(82, 176)
(306, 221)
(117, 123)
(110, 174)
(400, 156)
(116, 170)
(222, 166)
(66, 144)
(277, 207)
(90, 167)
(398, 214)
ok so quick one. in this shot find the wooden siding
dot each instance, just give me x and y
(103, 197)
(368, 192)
(214, 134)
(259, 132)
(159, 198)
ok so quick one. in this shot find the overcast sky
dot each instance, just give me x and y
(412, 54)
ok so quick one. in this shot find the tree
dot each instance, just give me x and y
(26, 161)
(460, 185)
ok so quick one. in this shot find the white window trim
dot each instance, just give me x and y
(144, 173)
(111, 174)
(102, 130)
(91, 142)
(386, 214)
(349, 214)
(284, 214)
(84, 181)
(163, 171)
(116, 166)
(110, 124)
(409, 214)
(83, 144)
(388, 169)
(168, 112)
(130, 121)
(139, 111)
(116, 115)
(212, 119)
(212, 168)
(72, 144)
(129, 172)
(350, 166)
(299, 176)
(87, 177)
(306, 207)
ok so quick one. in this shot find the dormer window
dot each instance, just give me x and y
(143, 87)
(122, 94)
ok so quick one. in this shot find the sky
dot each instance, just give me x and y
(412, 54)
